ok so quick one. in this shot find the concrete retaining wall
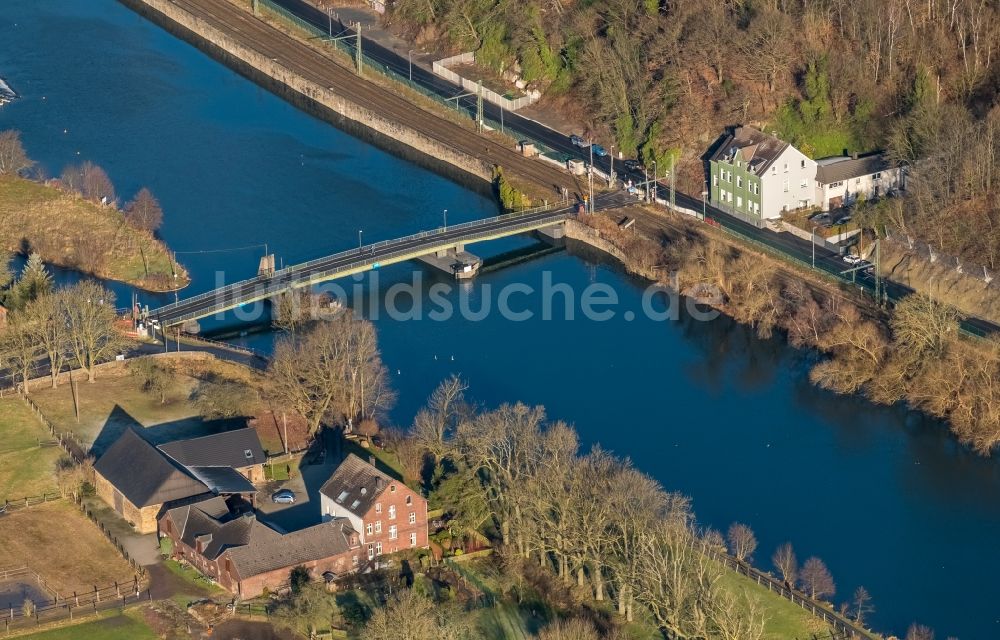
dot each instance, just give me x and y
(252, 63)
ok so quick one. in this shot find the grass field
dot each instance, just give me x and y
(72, 232)
(26, 469)
(784, 620)
(114, 401)
(62, 545)
(114, 627)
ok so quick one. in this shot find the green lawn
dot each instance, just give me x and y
(506, 621)
(116, 627)
(197, 585)
(784, 620)
(26, 469)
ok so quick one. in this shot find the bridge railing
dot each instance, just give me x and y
(275, 286)
(215, 293)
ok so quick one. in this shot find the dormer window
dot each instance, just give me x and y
(248, 454)
(342, 497)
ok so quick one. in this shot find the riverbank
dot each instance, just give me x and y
(72, 232)
(319, 83)
(913, 354)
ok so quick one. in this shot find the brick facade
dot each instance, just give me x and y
(400, 507)
(143, 520)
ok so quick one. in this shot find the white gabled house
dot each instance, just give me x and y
(841, 180)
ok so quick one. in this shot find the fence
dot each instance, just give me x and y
(838, 623)
(67, 608)
(398, 72)
(927, 252)
(66, 440)
(112, 538)
(440, 67)
(12, 504)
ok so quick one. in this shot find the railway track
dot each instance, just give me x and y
(314, 66)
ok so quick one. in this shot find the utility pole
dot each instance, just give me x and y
(329, 22)
(357, 47)
(611, 173)
(590, 176)
(813, 238)
(409, 61)
(704, 197)
(479, 105)
(256, 7)
(445, 213)
(673, 191)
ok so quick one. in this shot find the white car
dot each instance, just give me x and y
(851, 259)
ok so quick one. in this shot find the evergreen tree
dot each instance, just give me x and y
(35, 281)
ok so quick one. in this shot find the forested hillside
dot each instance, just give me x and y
(655, 77)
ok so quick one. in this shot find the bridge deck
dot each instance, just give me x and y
(353, 261)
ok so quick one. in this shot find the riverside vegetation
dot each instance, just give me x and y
(915, 354)
(76, 223)
(661, 80)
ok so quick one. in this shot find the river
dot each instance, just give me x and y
(883, 495)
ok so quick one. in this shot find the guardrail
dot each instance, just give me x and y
(275, 284)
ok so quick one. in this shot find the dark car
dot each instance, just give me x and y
(632, 165)
(577, 141)
(283, 496)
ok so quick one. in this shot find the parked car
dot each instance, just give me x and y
(577, 141)
(598, 150)
(844, 220)
(632, 165)
(283, 496)
(852, 259)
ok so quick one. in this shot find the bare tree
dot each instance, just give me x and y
(47, 319)
(413, 616)
(144, 211)
(153, 378)
(90, 180)
(13, 158)
(862, 604)
(923, 326)
(919, 632)
(742, 541)
(332, 371)
(816, 579)
(93, 334)
(446, 409)
(20, 348)
(785, 562)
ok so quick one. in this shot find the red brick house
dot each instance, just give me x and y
(389, 516)
(247, 556)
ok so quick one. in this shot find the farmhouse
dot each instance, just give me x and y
(247, 556)
(139, 480)
(388, 515)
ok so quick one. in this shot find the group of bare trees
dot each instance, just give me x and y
(331, 372)
(919, 357)
(597, 523)
(14, 159)
(50, 329)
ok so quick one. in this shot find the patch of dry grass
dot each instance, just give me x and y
(62, 545)
(72, 232)
(26, 468)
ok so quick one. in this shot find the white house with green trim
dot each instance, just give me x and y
(759, 176)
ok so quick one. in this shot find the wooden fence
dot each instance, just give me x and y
(66, 440)
(112, 538)
(12, 504)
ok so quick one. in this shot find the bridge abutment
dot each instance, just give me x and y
(455, 262)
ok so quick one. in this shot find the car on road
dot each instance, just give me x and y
(577, 141)
(632, 165)
(283, 496)
(852, 259)
(598, 150)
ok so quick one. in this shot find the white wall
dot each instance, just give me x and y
(799, 172)
(331, 509)
(851, 187)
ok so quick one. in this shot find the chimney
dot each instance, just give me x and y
(371, 459)
(854, 156)
(378, 484)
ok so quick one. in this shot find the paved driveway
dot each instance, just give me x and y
(306, 510)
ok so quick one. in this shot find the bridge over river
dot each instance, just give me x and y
(372, 256)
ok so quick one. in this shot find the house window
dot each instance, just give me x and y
(354, 560)
(729, 197)
(413, 539)
(378, 526)
(392, 512)
(378, 507)
(739, 182)
(371, 551)
(369, 528)
(392, 532)
(756, 189)
(876, 176)
(378, 548)
(774, 170)
(803, 164)
(409, 500)
(786, 167)
(857, 181)
(786, 185)
(715, 180)
(804, 184)
(739, 202)
(392, 489)
(413, 518)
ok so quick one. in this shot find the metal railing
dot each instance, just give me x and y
(274, 287)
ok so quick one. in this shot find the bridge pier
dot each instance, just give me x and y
(554, 234)
(456, 262)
